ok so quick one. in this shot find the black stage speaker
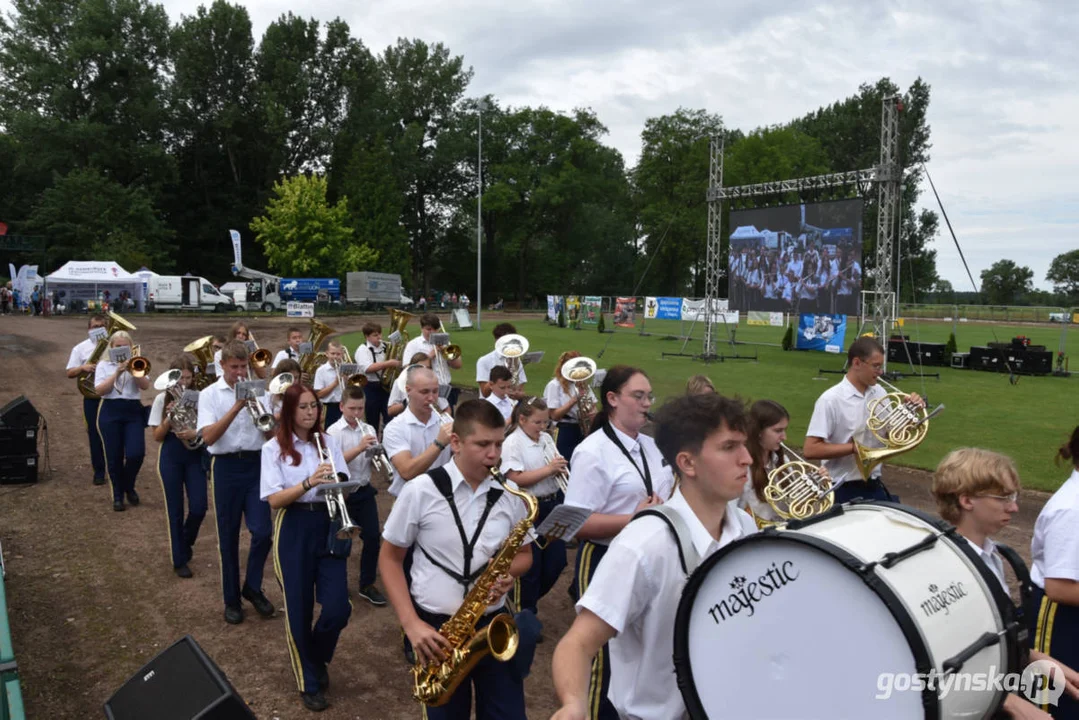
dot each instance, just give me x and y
(181, 683)
(19, 413)
(916, 353)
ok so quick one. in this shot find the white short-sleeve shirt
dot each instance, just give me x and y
(286, 354)
(556, 397)
(486, 362)
(406, 432)
(80, 354)
(124, 388)
(349, 437)
(750, 501)
(523, 454)
(839, 414)
(1054, 550)
(157, 410)
(418, 345)
(278, 473)
(324, 377)
(214, 403)
(636, 590)
(504, 405)
(605, 481)
(989, 555)
(399, 395)
(366, 356)
(421, 516)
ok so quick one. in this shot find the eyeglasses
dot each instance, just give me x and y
(641, 396)
(1006, 498)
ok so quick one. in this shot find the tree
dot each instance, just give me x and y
(1064, 273)
(1004, 282)
(374, 205)
(302, 235)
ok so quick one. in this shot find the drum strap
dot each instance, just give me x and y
(1022, 574)
(687, 553)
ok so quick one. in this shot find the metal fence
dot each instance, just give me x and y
(989, 313)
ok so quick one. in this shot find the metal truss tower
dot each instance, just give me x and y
(714, 270)
(882, 310)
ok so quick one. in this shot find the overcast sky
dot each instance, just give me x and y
(1002, 74)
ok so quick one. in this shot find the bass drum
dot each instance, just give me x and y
(839, 616)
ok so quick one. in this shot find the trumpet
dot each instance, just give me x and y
(138, 366)
(798, 489)
(248, 392)
(550, 452)
(355, 379)
(897, 423)
(443, 418)
(381, 467)
(335, 495)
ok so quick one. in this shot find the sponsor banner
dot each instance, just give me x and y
(552, 308)
(299, 309)
(625, 312)
(593, 304)
(663, 308)
(825, 333)
(767, 319)
(693, 310)
(573, 309)
(237, 259)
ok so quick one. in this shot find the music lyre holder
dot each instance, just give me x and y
(347, 485)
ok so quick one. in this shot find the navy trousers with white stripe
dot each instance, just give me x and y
(97, 447)
(123, 424)
(234, 482)
(181, 473)
(1054, 630)
(600, 707)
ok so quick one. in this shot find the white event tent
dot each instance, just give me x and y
(90, 280)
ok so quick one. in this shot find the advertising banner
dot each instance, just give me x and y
(625, 312)
(552, 308)
(299, 309)
(593, 304)
(764, 318)
(825, 333)
(663, 308)
(573, 309)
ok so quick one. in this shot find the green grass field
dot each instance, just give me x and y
(1027, 421)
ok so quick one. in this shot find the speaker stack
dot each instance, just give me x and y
(999, 357)
(916, 353)
(181, 683)
(19, 427)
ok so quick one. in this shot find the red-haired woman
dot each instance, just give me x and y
(309, 561)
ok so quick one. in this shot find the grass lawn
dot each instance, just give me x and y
(1027, 421)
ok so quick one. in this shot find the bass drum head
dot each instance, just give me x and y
(781, 628)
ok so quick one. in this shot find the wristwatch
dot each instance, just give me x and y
(440, 446)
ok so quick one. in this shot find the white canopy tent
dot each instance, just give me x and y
(95, 281)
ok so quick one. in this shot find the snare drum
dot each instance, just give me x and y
(839, 616)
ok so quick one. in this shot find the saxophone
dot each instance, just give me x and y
(436, 683)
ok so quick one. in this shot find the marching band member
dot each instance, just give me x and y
(309, 561)
(699, 384)
(292, 349)
(399, 396)
(238, 331)
(767, 430)
(235, 446)
(529, 458)
(561, 397)
(499, 387)
(328, 381)
(839, 416)
(1054, 607)
(217, 343)
(417, 439)
(430, 324)
(977, 491)
(371, 358)
(78, 362)
(272, 403)
(457, 517)
(615, 472)
(355, 437)
(180, 470)
(492, 359)
(121, 422)
(632, 599)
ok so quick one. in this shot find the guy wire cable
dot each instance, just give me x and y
(1012, 377)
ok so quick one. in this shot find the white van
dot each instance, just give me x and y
(185, 292)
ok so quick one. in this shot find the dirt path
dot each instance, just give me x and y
(92, 595)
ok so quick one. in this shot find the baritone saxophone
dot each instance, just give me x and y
(436, 683)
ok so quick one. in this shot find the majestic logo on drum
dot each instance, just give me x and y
(746, 595)
(943, 598)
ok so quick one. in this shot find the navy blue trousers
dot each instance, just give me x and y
(122, 425)
(589, 555)
(862, 490)
(363, 509)
(181, 472)
(376, 402)
(309, 574)
(97, 447)
(1054, 630)
(499, 689)
(547, 563)
(569, 437)
(234, 486)
(331, 413)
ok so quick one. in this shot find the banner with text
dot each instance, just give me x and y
(593, 305)
(825, 333)
(693, 310)
(663, 308)
(299, 309)
(573, 309)
(552, 307)
(761, 317)
(625, 312)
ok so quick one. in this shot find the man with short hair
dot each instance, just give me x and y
(292, 349)
(417, 439)
(632, 599)
(430, 324)
(328, 382)
(79, 362)
(371, 359)
(500, 386)
(492, 359)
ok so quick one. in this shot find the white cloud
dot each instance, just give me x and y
(1003, 111)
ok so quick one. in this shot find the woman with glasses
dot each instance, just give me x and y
(615, 472)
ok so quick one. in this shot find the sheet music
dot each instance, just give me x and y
(98, 334)
(564, 522)
(532, 357)
(120, 354)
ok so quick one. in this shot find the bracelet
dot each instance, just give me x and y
(306, 484)
(440, 446)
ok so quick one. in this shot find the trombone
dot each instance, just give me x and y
(260, 357)
(334, 492)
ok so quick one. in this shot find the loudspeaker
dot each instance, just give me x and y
(181, 683)
(19, 413)
(18, 440)
(18, 469)
(915, 353)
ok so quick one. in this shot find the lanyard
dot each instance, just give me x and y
(647, 474)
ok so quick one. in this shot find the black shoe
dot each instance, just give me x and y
(234, 615)
(118, 505)
(263, 606)
(372, 595)
(324, 678)
(133, 498)
(99, 481)
(183, 571)
(315, 702)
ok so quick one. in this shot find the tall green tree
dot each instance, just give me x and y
(1064, 273)
(1006, 283)
(302, 235)
(374, 205)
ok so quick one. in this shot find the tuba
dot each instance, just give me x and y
(579, 371)
(396, 350)
(436, 683)
(180, 415)
(512, 348)
(202, 350)
(797, 489)
(85, 380)
(895, 422)
(309, 361)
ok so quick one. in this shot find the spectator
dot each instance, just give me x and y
(35, 300)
